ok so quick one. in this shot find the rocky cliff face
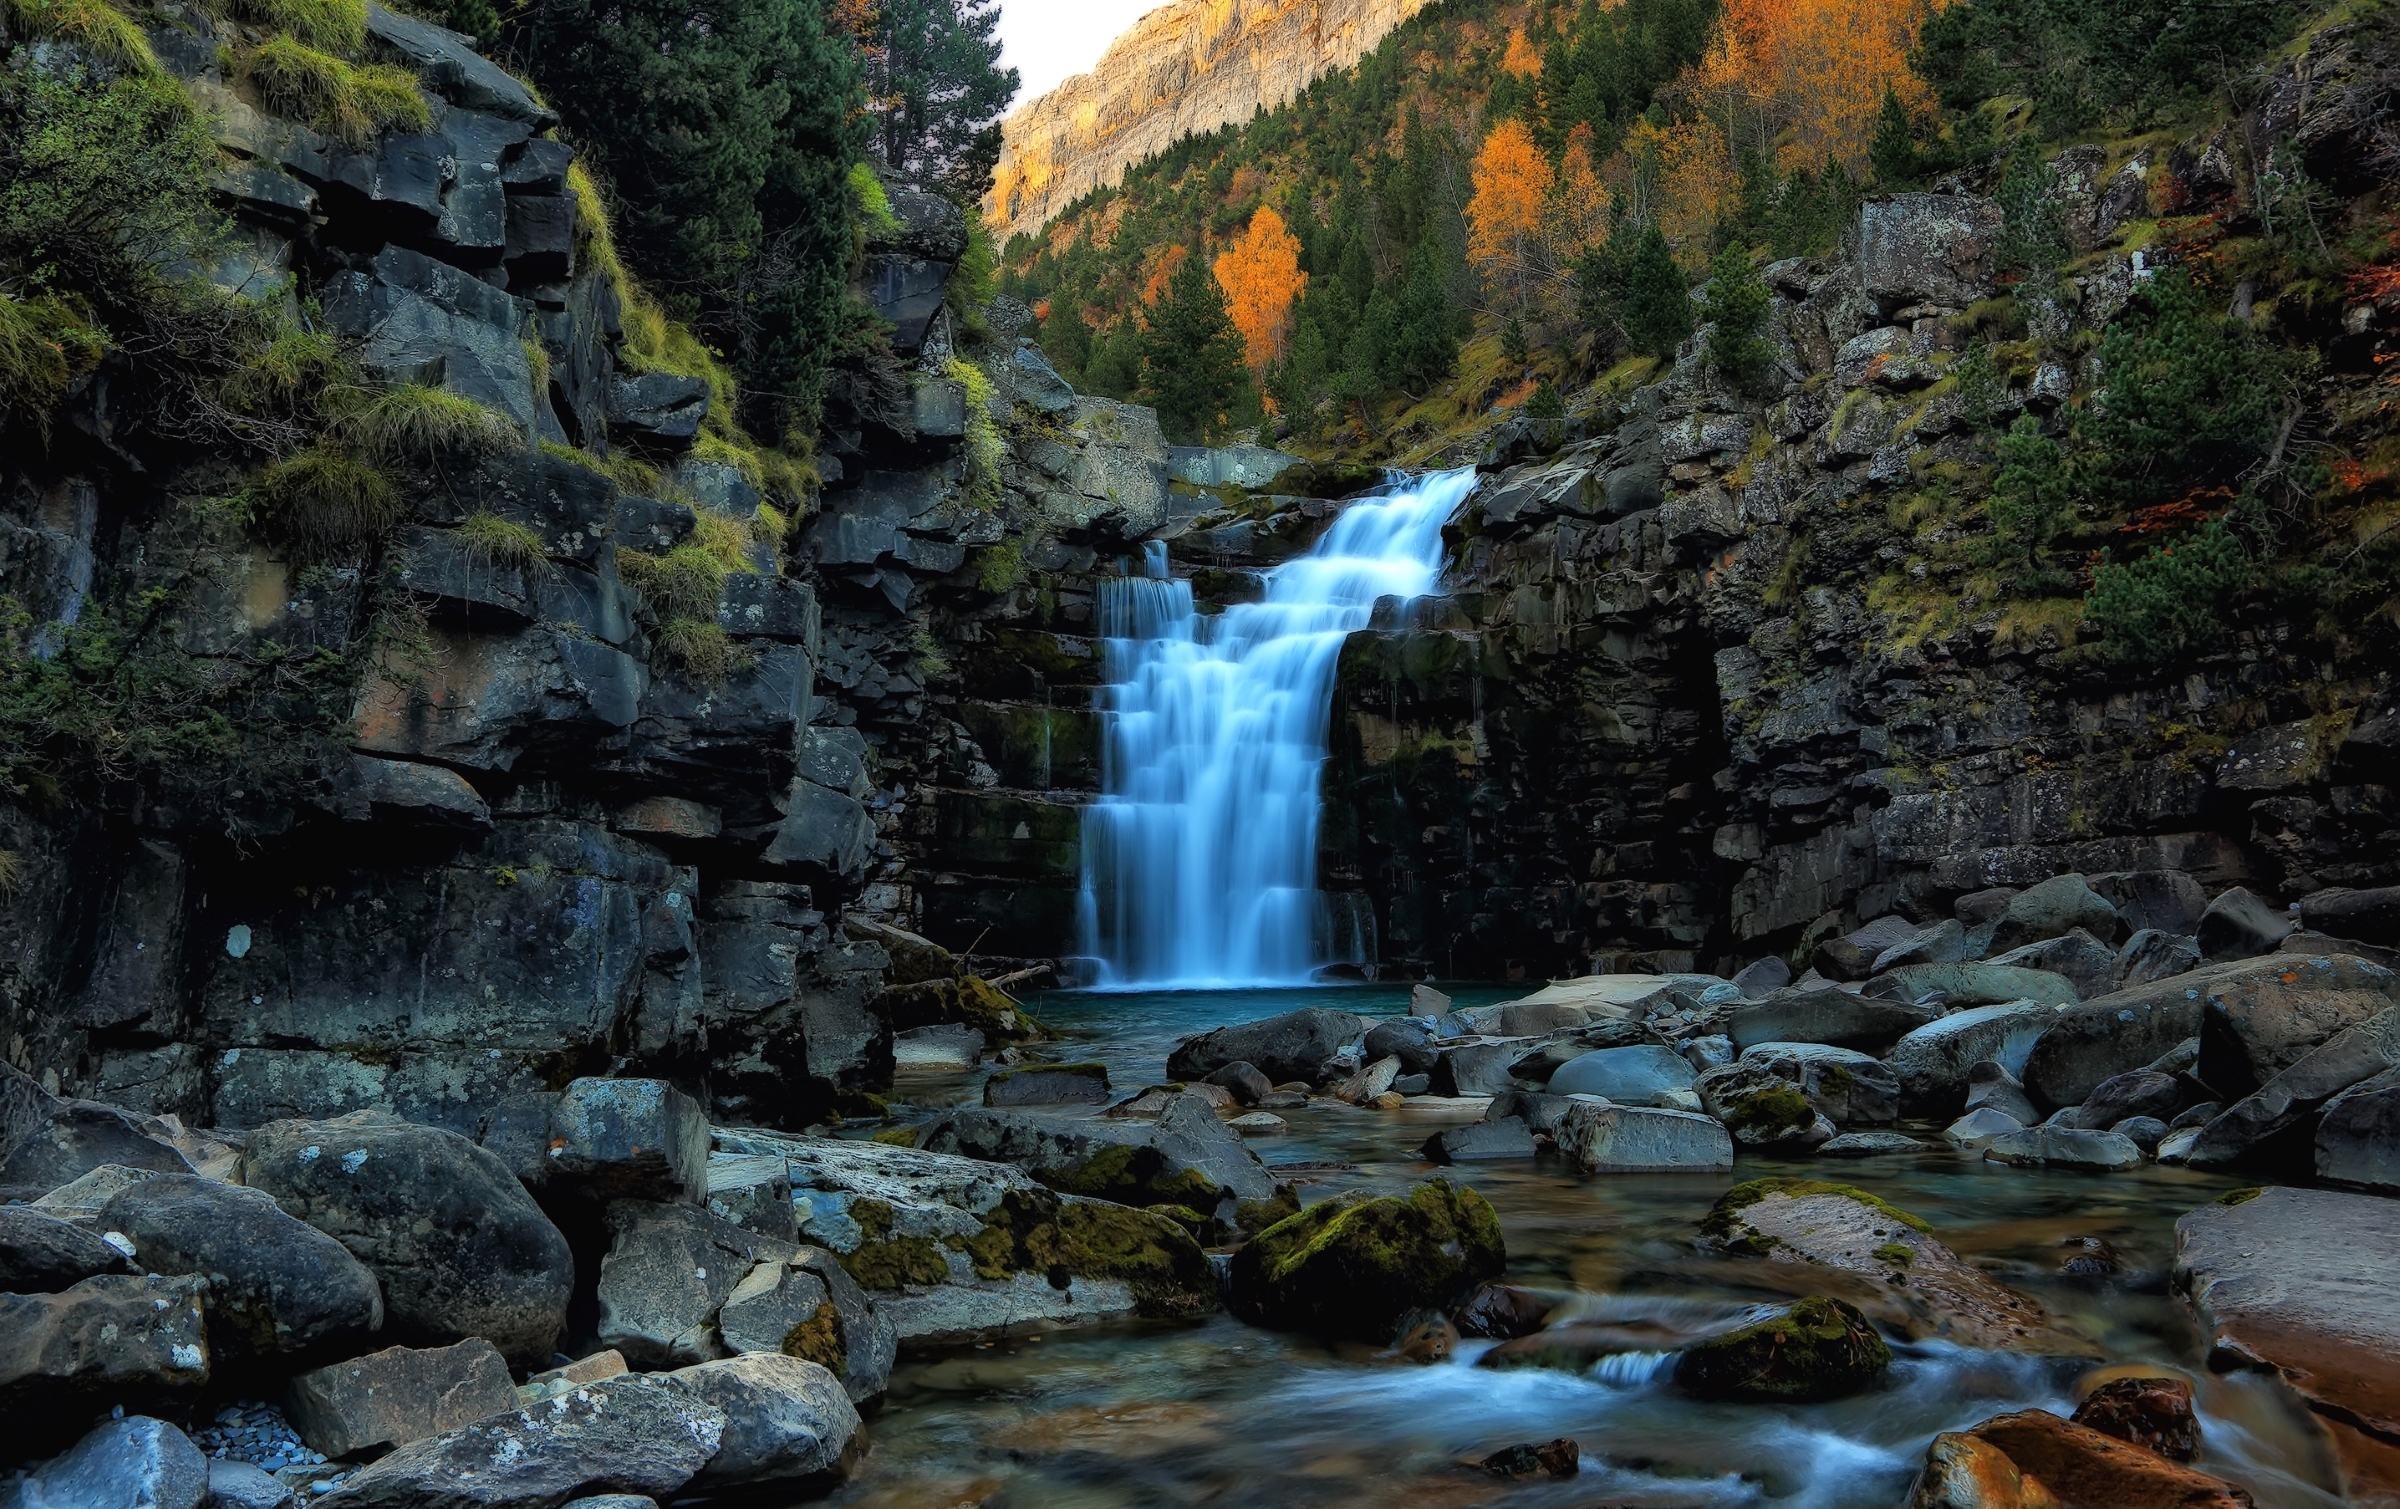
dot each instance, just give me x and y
(1190, 66)
(1687, 702)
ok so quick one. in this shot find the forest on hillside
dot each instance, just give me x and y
(1512, 205)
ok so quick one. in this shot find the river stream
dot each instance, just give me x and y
(1223, 1413)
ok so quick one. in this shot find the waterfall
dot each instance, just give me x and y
(1200, 857)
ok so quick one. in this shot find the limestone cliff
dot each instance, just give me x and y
(1189, 66)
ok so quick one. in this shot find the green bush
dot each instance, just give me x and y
(1737, 309)
(2033, 502)
(2170, 599)
(2188, 398)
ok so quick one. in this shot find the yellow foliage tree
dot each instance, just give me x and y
(1506, 215)
(1579, 206)
(1817, 70)
(1684, 175)
(1521, 59)
(1260, 273)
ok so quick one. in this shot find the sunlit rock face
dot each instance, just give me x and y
(1190, 66)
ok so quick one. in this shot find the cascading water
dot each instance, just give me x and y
(1199, 859)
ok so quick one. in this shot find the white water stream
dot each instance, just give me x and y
(1199, 859)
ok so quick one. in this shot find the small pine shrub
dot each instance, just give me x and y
(495, 541)
(325, 503)
(353, 103)
(1737, 307)
(2032, 503)
(2170, 599)
(1546, 402)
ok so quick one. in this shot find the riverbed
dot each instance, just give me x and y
(1223, 1413)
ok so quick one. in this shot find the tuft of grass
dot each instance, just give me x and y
(726, 539)
(335, 25)
(12, 873)
(872, 203)
(682, 584)
(352, 102)
(984, 445)
(414, 422)
(495, 541)
(297, 368)
(105, 31)
(325, 503)
(703, 651)
(44, 345)
(773, 525)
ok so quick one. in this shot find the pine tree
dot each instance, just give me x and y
(1893, 153)
(1192, 355)
(1658, 303)
(1737, 306)
(1420, 344)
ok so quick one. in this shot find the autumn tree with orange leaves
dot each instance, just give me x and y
(1801, 82)
(1260, 273)
(1507, 215)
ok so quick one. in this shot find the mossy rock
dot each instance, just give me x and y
(1352, 1266)
(1034, 1231)
(1770, 1115)
(1818, 1349)
(1720, 1224)
(970, 1000)
(1131, 1174)
(884, 1261)
(818, 1339)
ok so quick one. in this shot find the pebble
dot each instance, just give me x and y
(257, 1433)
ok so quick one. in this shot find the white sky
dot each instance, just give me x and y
(1048, 40)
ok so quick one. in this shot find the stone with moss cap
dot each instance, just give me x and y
(1186, 1157)
(1912, 1281)
(1352, 1266)
(1818, 1349)
(956, 1249)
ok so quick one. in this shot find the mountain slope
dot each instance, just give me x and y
(1185, 68)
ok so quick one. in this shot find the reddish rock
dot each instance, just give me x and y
(2154, 1413)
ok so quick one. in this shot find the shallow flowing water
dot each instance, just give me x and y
(1222, 1413)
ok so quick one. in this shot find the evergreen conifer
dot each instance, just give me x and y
(1192, 355)
(1658, 303)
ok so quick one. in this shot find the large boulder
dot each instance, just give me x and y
(1603, 1139)
(1762, 1107)
(788, 1422)
(2256, 1124)
(2053, 909)
(1818, 1349)
(2305, 1282)
(41, 1254)
(2149, 956)
(1975, 983)
(1921, 1286)
(1925, 249)
(2358, 1138)
(2065, 1147)
(808, 1306)
(459, 1247)
(2075, 956)
(131, 1463)
(2256, 1025)
(1866, 1023)
(1352, 1266)
(2239, 925)
(1932, 1062)
(1186, 1157)
(668, 1272)
(276, 1287)
(2368, 916)
(398, 1395)
(1646, 1075)
(2035, 1460)
(63, 1140)
(105, 1337)
(628, 1434)
(626, 1138)
(1293, 1046)
(2269, 1008)
(2167, 901)
(1844, 1085)
(2144, 1092)
(956, 1249)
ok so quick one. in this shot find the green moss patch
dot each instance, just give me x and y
(818, 1339)
(1352, 1266)
(1135, 1175)
(1771, 1112)
(1819, 1349)
(1719, 1224)
(884, 1261)
(1034, 1231)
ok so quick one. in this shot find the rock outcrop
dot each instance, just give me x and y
(1186, 68)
